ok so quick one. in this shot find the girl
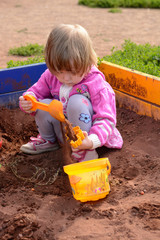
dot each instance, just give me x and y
(88, 100)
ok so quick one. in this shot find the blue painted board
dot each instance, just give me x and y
(10, 100)
(14, 81)
(20, 78)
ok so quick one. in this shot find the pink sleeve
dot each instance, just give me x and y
(104, 118)
(41, 89)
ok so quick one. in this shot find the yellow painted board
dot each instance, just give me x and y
(140, 85)
(139, 106)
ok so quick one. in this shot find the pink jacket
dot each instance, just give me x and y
(101, 95)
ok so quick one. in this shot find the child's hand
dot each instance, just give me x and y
(86, 143)
(25, 104)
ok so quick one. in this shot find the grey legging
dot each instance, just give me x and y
(79, 112)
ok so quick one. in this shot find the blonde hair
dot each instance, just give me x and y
(69, 48)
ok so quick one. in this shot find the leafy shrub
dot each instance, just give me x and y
(99, 3)
(144, 58)
(121, 3)
(28, 50)
(34, 60)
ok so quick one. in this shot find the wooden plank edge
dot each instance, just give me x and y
(10, 100)
(137, 105)
(132, 82)
(20, 78)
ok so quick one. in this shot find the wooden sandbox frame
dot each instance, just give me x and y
(134, 90)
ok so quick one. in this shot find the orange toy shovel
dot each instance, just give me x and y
(55, 108)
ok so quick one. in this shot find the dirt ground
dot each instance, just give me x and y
(36, 202)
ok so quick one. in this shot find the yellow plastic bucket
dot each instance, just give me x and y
(89, 179)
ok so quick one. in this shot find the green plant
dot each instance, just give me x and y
(28, 50)
(144, 58)
(34, 60)
(99, 3)
(115, 10)
(121, 3)
(23, 30)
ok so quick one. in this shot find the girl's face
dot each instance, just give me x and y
(69, 78)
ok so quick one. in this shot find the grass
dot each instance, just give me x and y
(121, 3)
(33, 60)
(28, 50)
(35, 50)
(115, 10)
(144, 58)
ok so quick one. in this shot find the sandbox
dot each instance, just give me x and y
(36, 201)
